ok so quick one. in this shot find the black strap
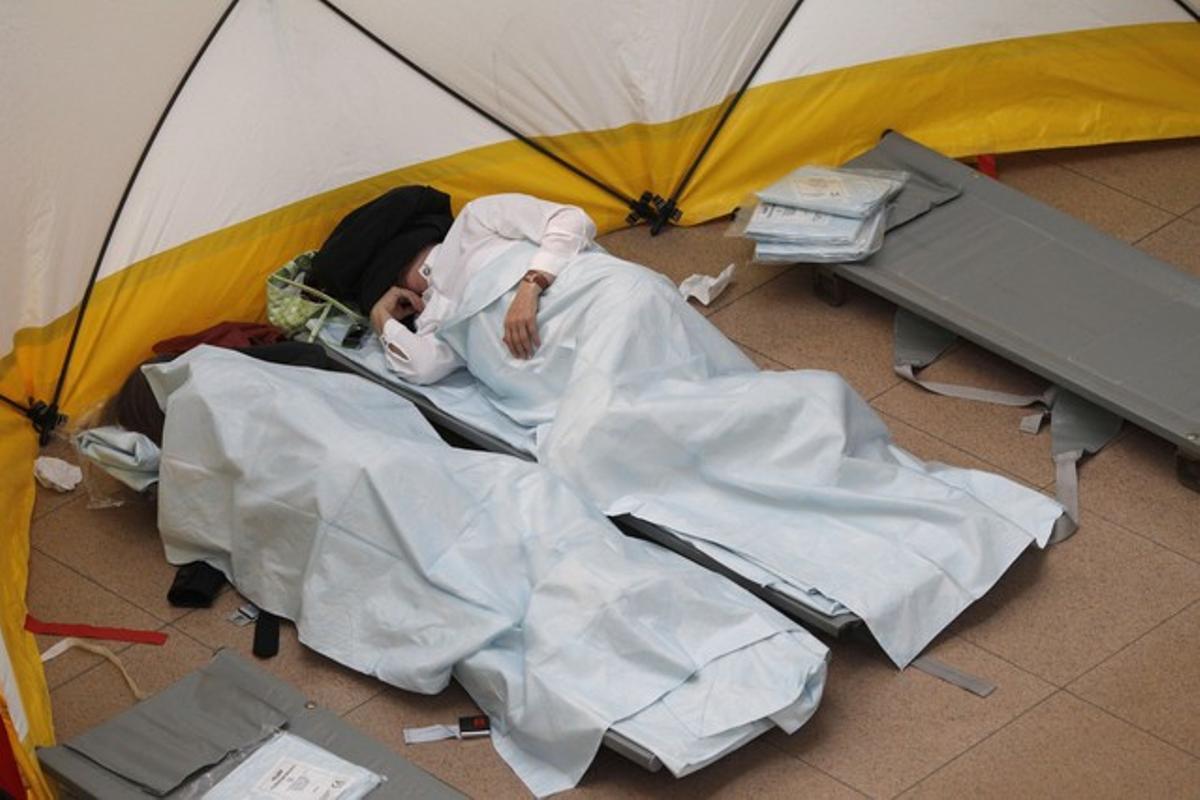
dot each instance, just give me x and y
(266, 635)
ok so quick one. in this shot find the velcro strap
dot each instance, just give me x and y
(963, 680)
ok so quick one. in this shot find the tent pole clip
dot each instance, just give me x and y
(653, 209)
(45, 419)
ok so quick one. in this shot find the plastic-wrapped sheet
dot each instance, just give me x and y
(867, 240)
(647, 409)
(857, 193)
(330, 501)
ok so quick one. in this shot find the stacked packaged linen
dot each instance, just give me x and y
(817, 214)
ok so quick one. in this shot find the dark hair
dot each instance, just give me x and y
(135, 406)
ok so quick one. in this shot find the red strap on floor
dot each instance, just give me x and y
(34, 625)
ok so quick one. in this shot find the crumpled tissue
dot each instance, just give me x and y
(706, 288)
(56, 474)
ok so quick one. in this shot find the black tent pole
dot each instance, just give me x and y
(668, 211)
(637, 207)
(46, 417)
(1191, 11)
(14, 404)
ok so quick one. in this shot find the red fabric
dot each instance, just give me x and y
(34, 625)
(986, 165)
(10, 774)
(223, 334)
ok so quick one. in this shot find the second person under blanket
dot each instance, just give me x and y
(647, 409)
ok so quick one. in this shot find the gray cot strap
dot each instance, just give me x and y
(975, 393)
(963, 680)
(919, 342)
(1077, 428)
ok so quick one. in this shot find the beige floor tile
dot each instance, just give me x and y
(101, 693)
(119, 548)
(1165, 174)
(1112, 211)
(1132, 482)
(758, 770)
(764, 362)
(1058, 613)
(674, 252)
(60, 594)
(930, 448)
(324, 681)
(1155, 682)
(880, 729)
(472, 767)
(1066, 748)
(987, 431)
(1177, 243)
(786, 322)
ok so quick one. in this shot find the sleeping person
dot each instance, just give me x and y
(647, 409)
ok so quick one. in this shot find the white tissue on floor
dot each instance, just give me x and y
(56, 474)
(706, 288)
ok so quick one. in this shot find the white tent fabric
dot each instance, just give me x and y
(84, 113)
(552, 67)
(885, 29)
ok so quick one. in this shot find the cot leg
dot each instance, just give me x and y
(1187, 467)
(828, 286)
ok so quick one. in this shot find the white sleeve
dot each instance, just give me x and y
(560, 232)
(417, 358)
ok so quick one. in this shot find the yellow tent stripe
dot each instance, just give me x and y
(1092, 86)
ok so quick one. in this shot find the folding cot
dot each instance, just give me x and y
(1108, 323)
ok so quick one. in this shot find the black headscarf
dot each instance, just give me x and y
(366, 251)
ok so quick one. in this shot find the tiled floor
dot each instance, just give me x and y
(1095, 645)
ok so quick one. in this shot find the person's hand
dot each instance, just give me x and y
(520, 323)
(397, 303)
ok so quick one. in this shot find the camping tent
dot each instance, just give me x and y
(280, 116)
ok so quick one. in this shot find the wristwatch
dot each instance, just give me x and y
(533, 276)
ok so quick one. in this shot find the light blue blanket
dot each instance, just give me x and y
(330, 501)
(646, 408)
